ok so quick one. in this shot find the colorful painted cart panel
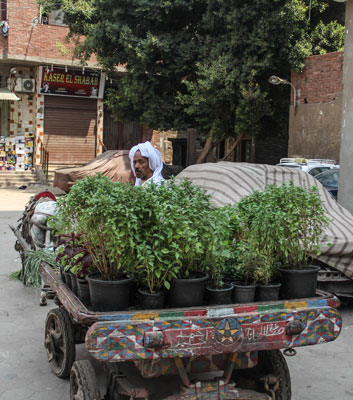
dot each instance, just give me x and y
(213, 331)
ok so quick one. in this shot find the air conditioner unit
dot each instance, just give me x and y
(25, 85)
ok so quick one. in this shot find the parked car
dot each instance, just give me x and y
(311, 166)
(329, 179)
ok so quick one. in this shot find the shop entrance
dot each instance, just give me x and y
(70, 129)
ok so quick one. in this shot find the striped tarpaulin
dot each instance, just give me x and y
(228, 182)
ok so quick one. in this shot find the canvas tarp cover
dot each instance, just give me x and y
(114, 164)
(228, 182)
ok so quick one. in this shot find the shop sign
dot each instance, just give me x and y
(71, 82)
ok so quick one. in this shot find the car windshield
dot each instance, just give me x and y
(328, 178)
(317, 170)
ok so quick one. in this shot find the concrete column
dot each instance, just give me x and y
(4, 123)
(345, 193)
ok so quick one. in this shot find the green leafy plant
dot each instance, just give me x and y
(156, 232)
(286, 222)
(106, 214)
(220, 251)
(73, 254)
(253, 264)
(182, 234)
(34, 258)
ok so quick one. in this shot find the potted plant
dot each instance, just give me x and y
(192, 228)
(288, 223)
(105, 212)
(172, 242)
(259, 267)
(75, 263)
(219, 255)
(243, 271)
(66, 248)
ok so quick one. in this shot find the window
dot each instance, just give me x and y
(55, 17)
(3, 9)
(317, 170)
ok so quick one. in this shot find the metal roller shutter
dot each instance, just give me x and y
(70, 126)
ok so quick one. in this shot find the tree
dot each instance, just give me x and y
(200, 63)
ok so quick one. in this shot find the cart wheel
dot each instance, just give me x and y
(59, 342)
(83, 384)
(270, 363)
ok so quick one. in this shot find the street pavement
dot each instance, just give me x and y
(321, 372)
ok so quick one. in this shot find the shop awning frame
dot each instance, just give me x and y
(6, 94)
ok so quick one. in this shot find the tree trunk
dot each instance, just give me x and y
(209, 145)
(234, 145)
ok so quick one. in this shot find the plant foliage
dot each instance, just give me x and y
(73, 254)
(34, 258)
(286, 223)
(201, 63)
(156, 232)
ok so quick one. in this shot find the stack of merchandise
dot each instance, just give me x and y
(16, 152)
(29, 137)
(2, 154)
(10, 148)
(20, 153)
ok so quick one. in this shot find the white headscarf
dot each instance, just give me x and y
(154, 161)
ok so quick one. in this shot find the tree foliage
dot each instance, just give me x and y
(201, 63)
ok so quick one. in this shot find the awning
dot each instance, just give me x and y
(5, 94)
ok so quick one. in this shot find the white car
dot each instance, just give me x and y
(313, 166)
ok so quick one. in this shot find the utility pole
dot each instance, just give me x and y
(345, 192)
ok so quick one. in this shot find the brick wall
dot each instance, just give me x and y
(314, 129)
(29, 38)
(321, 78)
(3, 46)
(159, 140)
(22, 113)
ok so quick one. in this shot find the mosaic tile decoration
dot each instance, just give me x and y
(215, 331)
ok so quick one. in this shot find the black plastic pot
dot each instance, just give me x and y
(151, 301)
(219, 296)
(298, 283)
(62, 276)
(188, 292)
(243, 293)
(67, 277)
(74, 283)
(268, 292)
(109, 295)
(83, 291)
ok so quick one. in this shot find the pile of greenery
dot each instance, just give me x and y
(158, 233)
(283, 225)
(155, 232)
(29, 275)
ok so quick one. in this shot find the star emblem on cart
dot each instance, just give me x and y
(228, 332)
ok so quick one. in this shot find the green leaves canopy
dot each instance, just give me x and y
(201, 63)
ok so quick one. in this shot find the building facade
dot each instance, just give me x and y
(314, 124)
(60, 102)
